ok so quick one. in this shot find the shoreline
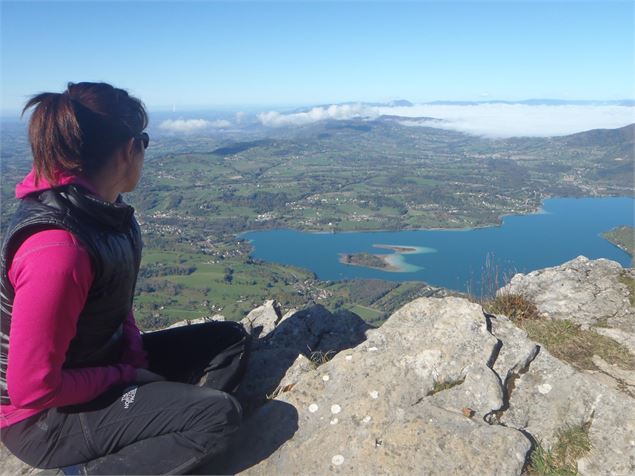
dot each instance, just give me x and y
(537, 211)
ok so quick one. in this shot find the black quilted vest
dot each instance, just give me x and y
(112, 238)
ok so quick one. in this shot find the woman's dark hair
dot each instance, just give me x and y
(78, 130)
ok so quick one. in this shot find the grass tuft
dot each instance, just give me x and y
(440, 385)
(572, 443)
(318, 357)
(515, 306)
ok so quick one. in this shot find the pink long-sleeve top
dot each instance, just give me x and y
(51, 273)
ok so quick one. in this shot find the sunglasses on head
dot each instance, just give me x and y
(145, 138)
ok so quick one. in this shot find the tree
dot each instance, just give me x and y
(229, 275)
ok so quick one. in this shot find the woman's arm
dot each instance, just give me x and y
(51, 274)
(133, 353)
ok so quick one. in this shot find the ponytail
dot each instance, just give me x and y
(55, 135)
(78, 130)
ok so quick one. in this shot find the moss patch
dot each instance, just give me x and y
(573, 443)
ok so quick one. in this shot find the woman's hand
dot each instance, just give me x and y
(145, 376)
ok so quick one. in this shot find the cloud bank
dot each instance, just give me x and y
(508, 120)
(336, 112)
(186, 126)
(489, 120)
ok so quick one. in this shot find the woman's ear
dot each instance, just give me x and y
(130, 149)
(124, 154)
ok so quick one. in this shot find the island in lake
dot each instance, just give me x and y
(368, 260)
(392, 262)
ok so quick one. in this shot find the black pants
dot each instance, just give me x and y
(154, 428)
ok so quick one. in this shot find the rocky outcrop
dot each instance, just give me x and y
(291, 345)
(550, 395)
(200, 320)
(262, 320)
(410, 399)
(440, 388)
(597, 295)
(588, 292)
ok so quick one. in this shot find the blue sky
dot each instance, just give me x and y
(210, 54)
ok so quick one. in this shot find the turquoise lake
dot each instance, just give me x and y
(564, 229)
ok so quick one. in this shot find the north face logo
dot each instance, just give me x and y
(128, 398)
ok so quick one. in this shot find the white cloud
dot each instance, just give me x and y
(221, 124)
(337, 112)
(192, 125)
(490, 120)
(508, 120)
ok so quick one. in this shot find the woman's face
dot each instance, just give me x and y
(138, 165)
(135, 165)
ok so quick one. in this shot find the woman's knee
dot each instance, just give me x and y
(219, 411)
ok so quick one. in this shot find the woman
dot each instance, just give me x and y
(82, 389)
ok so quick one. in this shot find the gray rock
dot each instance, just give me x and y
(627, 339)
(626, 377)
(584, 291)
(480, 392)
(516, 350)
(612, 436)
(288, 314)
(371, 409)
(439, 389)
(315, 329)
(313, 332)
(552, 395)
(200, 320)
(262, 320)
(548, 397)
(12, 466)
(301, 366)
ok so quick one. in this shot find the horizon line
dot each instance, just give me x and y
(6, 112)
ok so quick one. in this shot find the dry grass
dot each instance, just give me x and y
(564, 339)
(573, 443)
(493, 277)
(318, 357)
(515, 306)
(279, 390)
(568, 342)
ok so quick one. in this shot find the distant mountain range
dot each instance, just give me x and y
(526, 102)
(541, 102)
(602, 137)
